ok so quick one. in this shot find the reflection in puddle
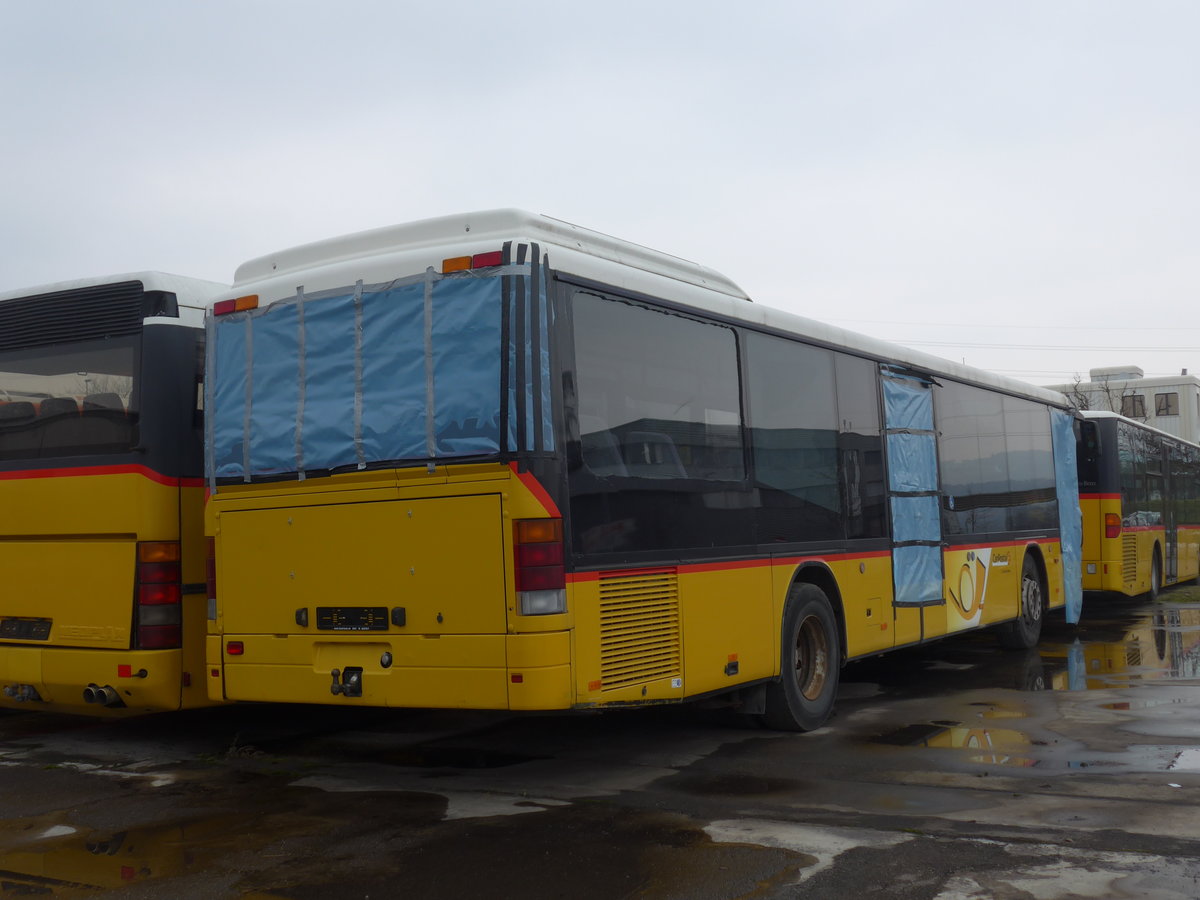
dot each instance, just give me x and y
(1161, 644)
(64, 866)
(1118, 646)
(993, 746)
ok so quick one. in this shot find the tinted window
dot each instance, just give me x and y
(815, 439)
(860, 447)
(996, 462)
(793, 435)
(68, 400)
(660, 463)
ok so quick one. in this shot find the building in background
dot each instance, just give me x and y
(1170, 404)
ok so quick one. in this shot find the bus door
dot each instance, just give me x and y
(913, 499)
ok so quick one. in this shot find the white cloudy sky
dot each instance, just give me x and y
(1013, 183)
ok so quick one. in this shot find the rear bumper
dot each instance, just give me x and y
(58, 678)
(472, 671)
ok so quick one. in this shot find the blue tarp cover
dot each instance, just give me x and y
(913, 481)
(1070, 525)
(409, 370)
(917, 572)
(915, 519)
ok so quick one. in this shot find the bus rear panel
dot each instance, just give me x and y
(1139, 495)
(101, 541)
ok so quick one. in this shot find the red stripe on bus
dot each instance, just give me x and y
(534, 487)
(1099, 496)
(723, 566)
(85, 471)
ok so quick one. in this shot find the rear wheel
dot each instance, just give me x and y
(1024, 632)
(810, 665)
(1155, 575)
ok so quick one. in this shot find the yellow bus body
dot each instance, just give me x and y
(68, 547)
(1122, 564)
(439, 546)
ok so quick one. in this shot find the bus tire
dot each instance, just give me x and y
(1155, 574)
(803, 697)
(1024, 632)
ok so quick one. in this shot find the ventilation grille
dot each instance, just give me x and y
(84, 314)
(639, 628)
(1128, 558)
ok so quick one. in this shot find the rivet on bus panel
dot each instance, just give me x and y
(862, 568)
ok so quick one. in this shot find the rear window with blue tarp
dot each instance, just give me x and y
(404, 371)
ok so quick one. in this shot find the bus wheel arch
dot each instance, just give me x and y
(1156, 570)
(811, 654)
(1024, 632)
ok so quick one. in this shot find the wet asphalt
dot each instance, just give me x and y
(955, 770)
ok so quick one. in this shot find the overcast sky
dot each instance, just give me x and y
(973, 179)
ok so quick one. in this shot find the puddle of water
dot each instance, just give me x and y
(993, 746)
(1119, 644)
(1186, 761)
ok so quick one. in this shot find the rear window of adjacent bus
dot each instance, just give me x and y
(68, 399)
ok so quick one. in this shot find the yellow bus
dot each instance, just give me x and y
(498, 461)
(102, 495)
(1139, 494)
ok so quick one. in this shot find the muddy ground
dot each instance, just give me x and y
(953, 771)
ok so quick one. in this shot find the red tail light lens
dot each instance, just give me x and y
(210, 569)
(158, 592)
(539, 574)
(1112, 525)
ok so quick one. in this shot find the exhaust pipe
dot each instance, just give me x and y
(105, 696)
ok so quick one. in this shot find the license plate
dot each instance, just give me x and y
(352, 618)
(18, 629)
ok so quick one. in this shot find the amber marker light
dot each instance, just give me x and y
(238, 304)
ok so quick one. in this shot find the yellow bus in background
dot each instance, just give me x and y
(101, 495)
(1139, 494)
(497, 461)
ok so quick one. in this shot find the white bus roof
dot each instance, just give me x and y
(461, 235)
(188, 291)
(384, 254)
(1106, 414)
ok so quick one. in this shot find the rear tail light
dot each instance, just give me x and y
(540, 574)
(1112, 525)
(478, 261)
(158, 592)
(237, 304)
(210, 577)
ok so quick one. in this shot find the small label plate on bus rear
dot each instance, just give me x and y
(25, 629)
(352, 618)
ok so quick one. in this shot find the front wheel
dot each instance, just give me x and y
(803, 697)
(1025, 632)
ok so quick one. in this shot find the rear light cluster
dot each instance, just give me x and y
(1112, 525)
(237, 304)
(540, 575)
(210, 577)
(159, 593)
(478, 261)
